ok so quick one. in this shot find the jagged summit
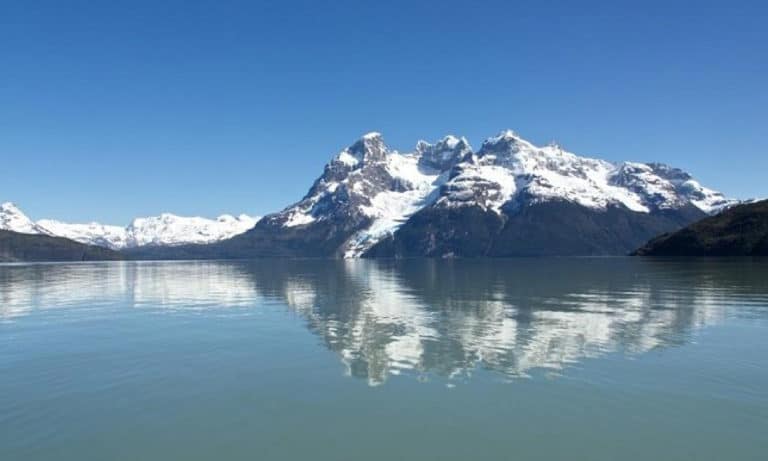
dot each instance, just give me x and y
(369, 147)
(444, 154)
(368, 191)
(452, 142)
(504, 136)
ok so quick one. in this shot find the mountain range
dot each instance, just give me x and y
(164, 230)
(507, 198)
(443, 199)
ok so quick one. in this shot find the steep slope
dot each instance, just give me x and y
(738, 231)
(16, 247)
(365, 192)
(13, 219)
(553, 228)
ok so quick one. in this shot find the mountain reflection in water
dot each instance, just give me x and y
(446, 318)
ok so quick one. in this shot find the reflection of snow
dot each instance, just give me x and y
(390, 329)
(168, 285)
(190, 285)
(40, 286)
(381, 322)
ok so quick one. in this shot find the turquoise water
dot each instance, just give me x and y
(535, 359)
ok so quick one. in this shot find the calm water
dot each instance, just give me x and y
(535, 359)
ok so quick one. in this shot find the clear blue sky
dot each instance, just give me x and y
(112, 111)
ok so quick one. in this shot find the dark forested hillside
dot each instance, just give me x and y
(739, 231)
(15, 246)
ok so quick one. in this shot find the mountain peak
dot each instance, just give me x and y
(452, 142)
(9, 207)
(447, 142)
(503, 136)
(13, 219)
(370, 146)
(371, 135)
(445, 153)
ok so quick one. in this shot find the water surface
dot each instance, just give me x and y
(550, 359)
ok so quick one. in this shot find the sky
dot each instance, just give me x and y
(112, 110)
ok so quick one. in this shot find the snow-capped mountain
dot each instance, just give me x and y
(164, 230)
(508, 168)
(114, 237)
(13, 219)
(170, 230)
(509, 197)
(371, 199)
(372, 189)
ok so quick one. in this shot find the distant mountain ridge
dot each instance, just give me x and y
(445, 199)
(164, 230)
(17, 247)
(741, 230)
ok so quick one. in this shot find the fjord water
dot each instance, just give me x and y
(593, 359)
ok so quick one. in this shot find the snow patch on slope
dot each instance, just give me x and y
(391, 208)
(487, 186)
